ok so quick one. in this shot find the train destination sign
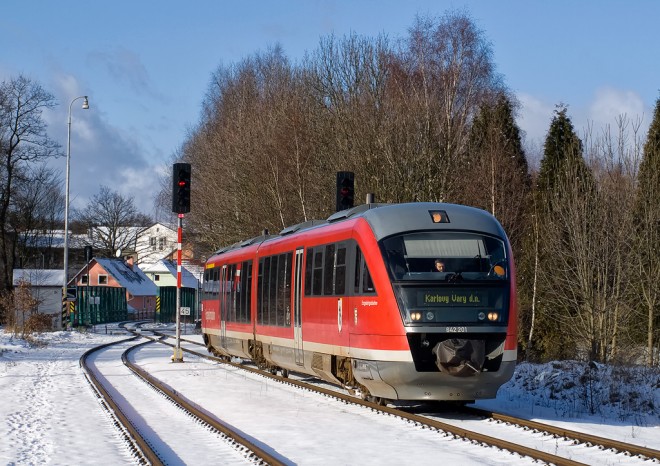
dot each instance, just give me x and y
(452, 298)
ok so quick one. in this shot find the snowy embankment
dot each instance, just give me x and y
(51, 416)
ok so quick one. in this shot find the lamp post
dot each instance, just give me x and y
(85, 106)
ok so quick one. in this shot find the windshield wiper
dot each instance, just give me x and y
(453, 277)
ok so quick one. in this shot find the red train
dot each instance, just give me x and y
(395, 301)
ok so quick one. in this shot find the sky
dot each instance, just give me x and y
(146, 65)
(51, 415)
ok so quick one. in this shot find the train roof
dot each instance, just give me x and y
(389, 219)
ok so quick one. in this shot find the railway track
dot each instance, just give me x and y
(598, 446)
(135, 422)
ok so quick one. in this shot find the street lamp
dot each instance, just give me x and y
(85, 106)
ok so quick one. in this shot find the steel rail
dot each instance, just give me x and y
(137, 442)
(569, 434)
(258, 452)
(632, 449)
(420, 420)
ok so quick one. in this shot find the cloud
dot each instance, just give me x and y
(101, 153)
(535, 118)
(610, 104)
(126, 68)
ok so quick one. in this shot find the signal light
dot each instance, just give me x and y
(345, 190)
(181, 188)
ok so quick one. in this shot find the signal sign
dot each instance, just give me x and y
(181, 188)
(345, 190)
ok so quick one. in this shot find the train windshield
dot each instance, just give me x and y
(445, 256)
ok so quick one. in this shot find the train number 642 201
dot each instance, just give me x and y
(456, 330)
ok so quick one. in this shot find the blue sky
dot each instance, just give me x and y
(146, 65)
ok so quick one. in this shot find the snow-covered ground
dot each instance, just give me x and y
(51, 416)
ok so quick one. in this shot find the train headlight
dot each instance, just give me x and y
(493, 316)
(416, 316)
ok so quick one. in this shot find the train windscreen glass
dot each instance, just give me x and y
(446, 256)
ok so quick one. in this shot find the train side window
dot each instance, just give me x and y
(272, 287)
(317, 276)
(328, 270)
(281, 290)
(205, 285)
(221, 292)
(308, 272)
(231, 294)
(358, 270)
(367, 283)
(363, 282)
(261, 286)
(284, 305)
(215, 283)
(246, 279)
(340, 272)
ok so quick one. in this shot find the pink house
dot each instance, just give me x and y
(140, 291)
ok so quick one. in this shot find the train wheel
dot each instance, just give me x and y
(285, 373)
(377, 400)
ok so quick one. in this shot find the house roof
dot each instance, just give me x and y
(133, 279)
(39, 277)
(164, 266)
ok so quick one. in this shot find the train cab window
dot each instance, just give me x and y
(465, 255)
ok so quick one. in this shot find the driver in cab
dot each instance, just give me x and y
(439, 266)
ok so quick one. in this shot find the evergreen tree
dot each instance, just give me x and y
(562, 184)
(647, 219)
(562, 154)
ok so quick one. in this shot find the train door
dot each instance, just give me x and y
(224, 304)
(297, 308)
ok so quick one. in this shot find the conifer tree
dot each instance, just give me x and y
(647, 216)
(562, 154)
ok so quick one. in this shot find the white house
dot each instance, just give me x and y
(46, 287)
(155, 243)
(163, 273)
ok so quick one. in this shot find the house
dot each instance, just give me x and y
(46, 288)
(163, 273)
(140, 291)
(155, 243)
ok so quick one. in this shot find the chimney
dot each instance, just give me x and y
(129, 262)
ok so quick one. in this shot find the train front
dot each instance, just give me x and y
(453, 278)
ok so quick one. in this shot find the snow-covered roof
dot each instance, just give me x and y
(39, 277)
(133, 279)
(164, 266)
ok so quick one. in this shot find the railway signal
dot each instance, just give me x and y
(181, 188)
(180, 205)
(345, 190)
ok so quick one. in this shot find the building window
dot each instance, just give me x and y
(152, 242)
(84, 280)
(103, 279)
(156, 277)
(161, 243)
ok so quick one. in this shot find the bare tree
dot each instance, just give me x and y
(36, 211)
(113, 221)
(23, 140)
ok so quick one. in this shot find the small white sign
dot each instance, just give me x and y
(184, 311)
